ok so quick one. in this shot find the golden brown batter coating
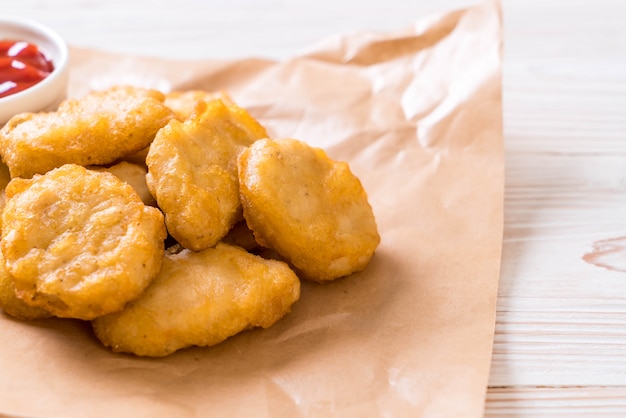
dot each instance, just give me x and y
(96, 129)
(192, 172)
(133, 174)
(11, 304)
(5, 178)
(312, 210)
(79, 243)
(183, 103)
(201, 298)
(241, 236)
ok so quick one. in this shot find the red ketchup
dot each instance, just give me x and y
(22, 65)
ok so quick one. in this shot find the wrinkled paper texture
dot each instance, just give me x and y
(417, 114)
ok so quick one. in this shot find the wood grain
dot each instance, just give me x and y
(564, 401)
(560, 343)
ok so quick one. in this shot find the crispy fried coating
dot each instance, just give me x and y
(11, 304)
(133, 174)
(192, 171)
(183, 103)
(241, 236)
(5, 178)
(138, 157)
(96, 129)
(312, 210)
(79, 243)
(200, 299)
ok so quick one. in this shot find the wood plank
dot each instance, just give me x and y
(571, 402)
(560, 321)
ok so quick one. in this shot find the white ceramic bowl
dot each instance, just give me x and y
(46, 94)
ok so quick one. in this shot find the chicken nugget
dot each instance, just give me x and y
(11, 304)
(5, 178)
(133, 174)
(241, 236)
(192, 172)
(79, 243)
(200, 299)
(183, 103)
(138, 157)
(96, 129)
(311, 210)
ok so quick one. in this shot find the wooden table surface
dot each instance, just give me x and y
(560, 343)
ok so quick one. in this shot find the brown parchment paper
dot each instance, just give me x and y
(417, 114)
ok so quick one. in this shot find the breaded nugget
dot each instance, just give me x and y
(133, 174)
(183, 103)
(79, 243)
(241, 236)
(312, 210)
(96, 129)
(138, 157)
(192, 171)
(200, 299)
(11, 304)
(5, 178)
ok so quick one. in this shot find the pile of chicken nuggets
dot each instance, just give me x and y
(169, 220)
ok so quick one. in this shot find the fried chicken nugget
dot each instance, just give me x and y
(133, 174)
(192, 171)
(200, 299)
(5, 178)
(241, 236)
(96, 129)
(183, 103)
(310, 209)
(11, 304)
(79, 243)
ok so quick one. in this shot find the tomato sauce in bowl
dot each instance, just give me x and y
(34, 67)
(22, 65)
